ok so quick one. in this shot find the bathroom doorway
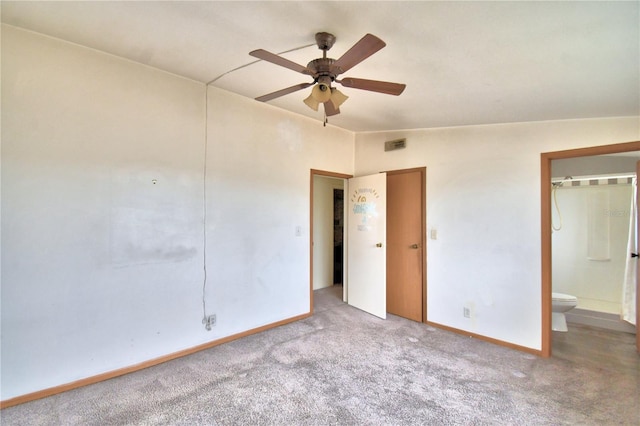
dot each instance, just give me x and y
(596, 160)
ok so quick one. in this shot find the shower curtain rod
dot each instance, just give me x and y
(592, 177)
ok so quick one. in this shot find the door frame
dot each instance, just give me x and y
(545, 216)
(423, 222)
(324, 173)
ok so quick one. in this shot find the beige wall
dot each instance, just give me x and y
(103, 196)
(483, 198)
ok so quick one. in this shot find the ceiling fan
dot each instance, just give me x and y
(325, 71)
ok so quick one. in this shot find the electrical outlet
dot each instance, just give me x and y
(466, 312)
(209, 321)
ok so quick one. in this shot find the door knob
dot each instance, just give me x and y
(379, 245)
(414, 246)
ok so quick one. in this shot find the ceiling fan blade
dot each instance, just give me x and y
(373, 85)
(330, 109)
(283, 92)
(279, 60)
(367, 46)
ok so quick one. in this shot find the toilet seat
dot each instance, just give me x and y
(563, 302)
(561, 297)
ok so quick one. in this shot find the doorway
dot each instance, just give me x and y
(406, 280)
(338, 236)
(324, 230)
(546, 227)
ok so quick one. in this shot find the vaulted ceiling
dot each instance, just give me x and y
(464, 63)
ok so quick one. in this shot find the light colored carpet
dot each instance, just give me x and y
(343, 366)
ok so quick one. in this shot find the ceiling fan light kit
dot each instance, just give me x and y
(322, 91)
(325, 71)
(337, 97)
(311, 102)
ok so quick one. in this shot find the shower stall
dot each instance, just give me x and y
(594, 248)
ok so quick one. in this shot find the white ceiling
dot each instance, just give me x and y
(464, 63)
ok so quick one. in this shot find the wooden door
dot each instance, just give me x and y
(405, 243)
(366, 245)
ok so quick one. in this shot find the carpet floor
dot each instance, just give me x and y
(344, 367)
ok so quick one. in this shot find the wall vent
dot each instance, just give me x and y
(396, 144)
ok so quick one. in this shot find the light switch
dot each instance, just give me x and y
(298, 231)
(434, 234)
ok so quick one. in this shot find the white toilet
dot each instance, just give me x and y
(561, 303)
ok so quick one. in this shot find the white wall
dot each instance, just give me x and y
(102, 220)
(259, 194)
(596, 283)
(483, 197)
(323, 233)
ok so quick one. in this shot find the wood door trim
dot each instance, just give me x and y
(545, 220)
(415, 169)
(312, 173)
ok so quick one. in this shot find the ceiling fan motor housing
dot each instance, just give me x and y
(323, 70)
